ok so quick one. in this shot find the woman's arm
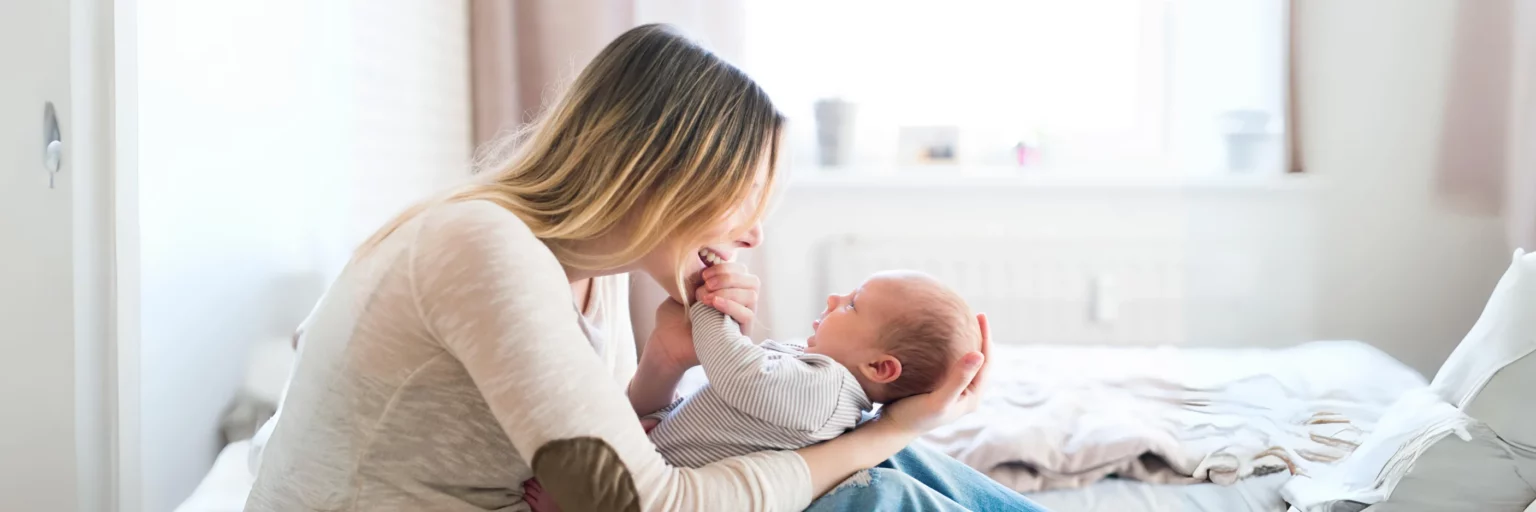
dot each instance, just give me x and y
(655, 383)
(668, 354)
(498, 302)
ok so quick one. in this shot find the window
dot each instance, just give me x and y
(1083, 86)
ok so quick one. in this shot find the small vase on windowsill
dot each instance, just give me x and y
(1026, 152)
(1248, 143)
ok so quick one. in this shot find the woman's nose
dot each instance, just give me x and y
(752, 238)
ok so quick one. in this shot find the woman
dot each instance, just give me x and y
(451, 361)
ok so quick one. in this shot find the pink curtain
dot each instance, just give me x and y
(1293, 151)
(1487, 164)
(1520, 175)
(522, 50)
(717, 24)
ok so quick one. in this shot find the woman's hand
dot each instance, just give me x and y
(730, 288)
(672, 338)
(668, 354)
(957, 396)
(901, 422)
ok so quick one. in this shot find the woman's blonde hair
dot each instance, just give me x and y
(656, 136)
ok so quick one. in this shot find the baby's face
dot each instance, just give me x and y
(848, 331)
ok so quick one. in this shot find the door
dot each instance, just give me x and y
(37, 344)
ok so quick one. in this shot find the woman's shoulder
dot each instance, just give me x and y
(481, 234)
(472, 217)
(474, 225)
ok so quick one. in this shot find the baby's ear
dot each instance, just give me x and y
(883, 370)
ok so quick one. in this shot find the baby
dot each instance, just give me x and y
(892, 337)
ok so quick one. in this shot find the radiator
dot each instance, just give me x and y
(1113, 290)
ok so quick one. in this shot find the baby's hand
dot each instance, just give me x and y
(537, 499)
(730, 288)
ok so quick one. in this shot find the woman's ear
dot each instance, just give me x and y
(883, 370)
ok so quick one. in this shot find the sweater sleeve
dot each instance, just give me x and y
(497, 300)
(799, 393)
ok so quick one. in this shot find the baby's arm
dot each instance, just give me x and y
(778, 388)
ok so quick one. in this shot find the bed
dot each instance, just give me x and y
(1343, 375)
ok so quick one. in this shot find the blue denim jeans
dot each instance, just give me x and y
(920, 478)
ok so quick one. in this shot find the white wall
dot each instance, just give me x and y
(91, 84)
(1400, 269)
(1264, 298)
(55, 283)
(273, 136)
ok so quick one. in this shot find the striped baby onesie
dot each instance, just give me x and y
(772, 396)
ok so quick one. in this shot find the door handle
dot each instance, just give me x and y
(53, 143)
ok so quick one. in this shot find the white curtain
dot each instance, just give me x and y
(1488, 149)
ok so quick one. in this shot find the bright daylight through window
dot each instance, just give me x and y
(1117, 87)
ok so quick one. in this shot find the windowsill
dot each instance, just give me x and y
(981, 177)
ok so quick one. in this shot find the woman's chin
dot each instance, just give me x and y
(693, 279)
(666, 278)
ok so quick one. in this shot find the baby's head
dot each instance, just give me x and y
(899, 333)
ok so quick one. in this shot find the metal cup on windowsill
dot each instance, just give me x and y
(834, 132)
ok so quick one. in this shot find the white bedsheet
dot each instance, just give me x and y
(1357, 379)
(1258, 493)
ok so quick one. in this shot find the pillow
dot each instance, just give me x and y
(1423, 454)
(1471, 470)
(1494, 369)
(1489, 377)
(1468, 442)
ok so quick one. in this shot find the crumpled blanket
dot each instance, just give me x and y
(1057, 418)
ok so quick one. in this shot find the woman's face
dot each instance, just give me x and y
(734, 232)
